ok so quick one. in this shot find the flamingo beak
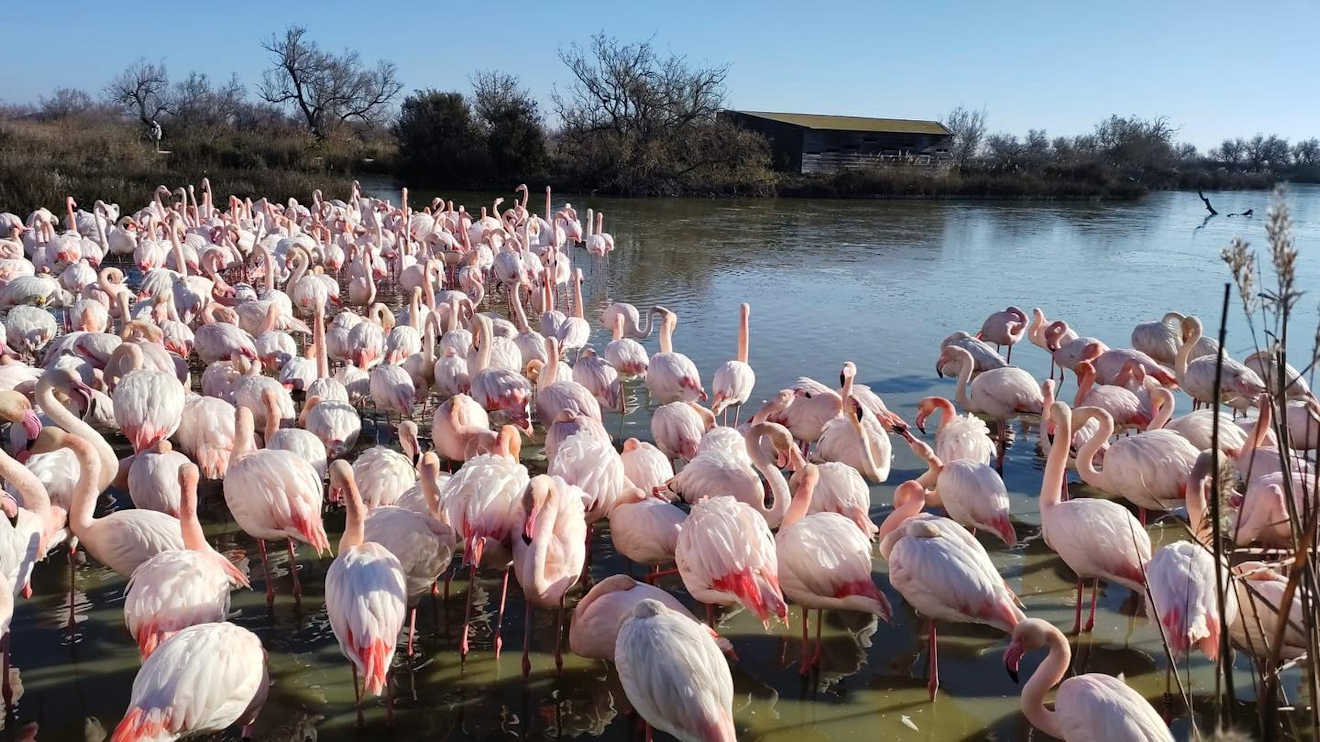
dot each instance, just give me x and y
(1013, 659)
(31, 423)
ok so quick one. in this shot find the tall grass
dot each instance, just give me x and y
(1269, 295)
(41, 162)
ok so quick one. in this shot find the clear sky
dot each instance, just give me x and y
(1215, 69)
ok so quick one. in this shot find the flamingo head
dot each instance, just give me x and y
(1029, 634)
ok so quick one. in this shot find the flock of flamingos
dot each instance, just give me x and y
(281, 307)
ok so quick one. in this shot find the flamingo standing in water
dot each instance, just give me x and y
(1149, 469)
(1239, 386)
(671, 376)
(206, 678)
(548, 559)
(998, 394)
(1097, 539)
(733, 381)
(365, 596)
(958, 436)
(273, 495)
(824, 562)
(1004, 327)
(177, 589)
(943, 572)
(726, 555)
(971, 492)
(483, 500)
(674, 675)
(1183, 598)
(1087, 707)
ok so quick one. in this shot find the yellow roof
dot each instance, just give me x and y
(853, 123)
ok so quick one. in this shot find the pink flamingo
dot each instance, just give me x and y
(971, 492)
(958, 436)
(733, 381)
(824, 562)
(842, 490)
(677, 428)
(365, 596)
(1239, 385)
(597, 616)
(1123, 405)
(177, 589)
(274, 495)
(148, 406)
(942, 571)
(674, 675)
(1005, 327)
(998, 394)
(203, 679)
(671, 376)
(548, 559)
(1110, 362)
(1149, 469)
(1087, 707)
(1097, 539)
(628, 356)
(726, 555)
(483, 501)
(1183, 598)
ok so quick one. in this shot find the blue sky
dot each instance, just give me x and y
(1214, 69)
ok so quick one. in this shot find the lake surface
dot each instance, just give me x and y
(876, 282)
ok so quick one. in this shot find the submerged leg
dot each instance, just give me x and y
(527, 639)
(5, 687)
(293, 572)
(806, 647)
(815, 657)
(357, 695)
(1095, 588)
(467, 616)
(265, 565)
(1077, 614)
(499, 616)
(934, 683)
(559, 637)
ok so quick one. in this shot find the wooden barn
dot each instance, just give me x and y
(813, 143)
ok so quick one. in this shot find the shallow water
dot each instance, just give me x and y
(875, 282)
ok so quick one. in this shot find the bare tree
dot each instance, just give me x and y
(65, 102)
(1307, 152)
(142, 89)
(194, 101)
(968, 128)
(326, 89)
(631, 117)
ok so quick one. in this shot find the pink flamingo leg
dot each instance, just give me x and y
(499, 616)
(1095, 587)
(293, 572)
(8, 689)
(803, 666)
(815, 657)
(357, 695)
(527, 634)
(412, 628)
(1077, 614)
(265, 565)
(559, 636)
(467, 616)
(934, 683)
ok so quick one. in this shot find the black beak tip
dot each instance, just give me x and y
(922, 428)
(1013, 673)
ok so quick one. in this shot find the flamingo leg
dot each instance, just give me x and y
(934, 683)
(710, 615)
(1009, 358)
(1077, 615)
(527, 639)
(559, 637)
(467, 616)
(1141, 512)
(5, 685)
(293, 572)
(806, 655)
(73, 574)
(412, 628)
(389, 701)
(357, 695)
(586, 563)
(647, 726)
(265, 565)
(499, 616)
(815, 657)
(1095, 588)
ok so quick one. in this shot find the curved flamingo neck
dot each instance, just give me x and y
(1085, 380)
(515, 301)
(243, 444)
(577, 297)
(964, 378)
(742, 334)
(947, 412)
(1051, 483)
(1086, 456)
(191, 528)
(30, 488)
(1162, 399)
(86, 490)
(667, 335)
(908, 502)
(1046, 676)
(61, 416)
(1185, 353)
(542, 538)
(356, 513)
(801, 503)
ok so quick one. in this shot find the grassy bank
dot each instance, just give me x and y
(41, 162)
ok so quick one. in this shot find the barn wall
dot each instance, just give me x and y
(827, 151)
(785, 139)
